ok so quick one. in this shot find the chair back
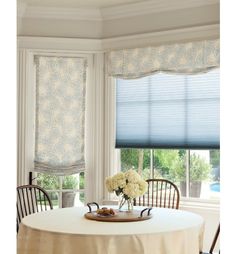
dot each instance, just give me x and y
(160, 193)
(31, 199)
(213, 244)
(215, 240)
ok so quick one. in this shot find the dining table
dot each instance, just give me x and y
(68, 231)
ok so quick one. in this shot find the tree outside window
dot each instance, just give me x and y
(174, 165)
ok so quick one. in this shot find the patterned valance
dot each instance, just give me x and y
(184, 58)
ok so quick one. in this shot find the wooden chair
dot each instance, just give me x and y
(31, 199)
(160, 193)
(217, 233)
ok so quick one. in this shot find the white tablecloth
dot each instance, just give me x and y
(67, 231)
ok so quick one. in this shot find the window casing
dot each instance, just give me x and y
(27, 113)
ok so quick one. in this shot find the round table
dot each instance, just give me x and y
(67, 231)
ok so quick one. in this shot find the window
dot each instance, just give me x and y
(59, 160)
(168, 126)
(195, 172)
(64, 191)
(93, 141)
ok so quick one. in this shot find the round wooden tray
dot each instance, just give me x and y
(120, 216)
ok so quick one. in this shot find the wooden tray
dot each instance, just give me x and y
(119, 216)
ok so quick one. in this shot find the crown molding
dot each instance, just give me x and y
(132, 41)
(21, 7)
(142, 8)
(162, 37)
(58, 43)
(109, 13)
(42, 12)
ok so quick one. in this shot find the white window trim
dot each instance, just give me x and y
(94, 117)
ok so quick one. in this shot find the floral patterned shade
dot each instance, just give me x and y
(185, 58)
(60, 114)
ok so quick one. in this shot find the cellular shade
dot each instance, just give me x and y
(168, 111)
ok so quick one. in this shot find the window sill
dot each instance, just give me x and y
(203, 204)
(185, 203)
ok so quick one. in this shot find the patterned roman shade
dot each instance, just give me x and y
(60, 114)
(184, 58)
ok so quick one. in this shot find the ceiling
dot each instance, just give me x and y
(108, 19)
(79, 3)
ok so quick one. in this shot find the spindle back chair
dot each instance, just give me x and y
(217, 233)
(160, 193)
(31, 199)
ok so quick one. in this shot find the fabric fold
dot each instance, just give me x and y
(182, 58)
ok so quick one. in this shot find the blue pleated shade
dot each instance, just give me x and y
(168, 111)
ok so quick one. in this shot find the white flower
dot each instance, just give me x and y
(132, 176)
(131, 190)
(118, 181)
(109, 184)
(143, 185)
(129, 184)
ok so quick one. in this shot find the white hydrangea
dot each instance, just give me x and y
(132, 176)
(118, 181)
(128, 184)
(108, 183)
(131, 190)
(143, 185)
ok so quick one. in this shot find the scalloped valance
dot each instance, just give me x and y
(184, 58)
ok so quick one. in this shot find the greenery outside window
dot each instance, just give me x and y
(195, 172)
(64, 191)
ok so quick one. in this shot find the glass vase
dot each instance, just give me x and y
(125, 205)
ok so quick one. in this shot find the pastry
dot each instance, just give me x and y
(106, 211)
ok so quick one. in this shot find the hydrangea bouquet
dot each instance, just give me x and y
(128, 185)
